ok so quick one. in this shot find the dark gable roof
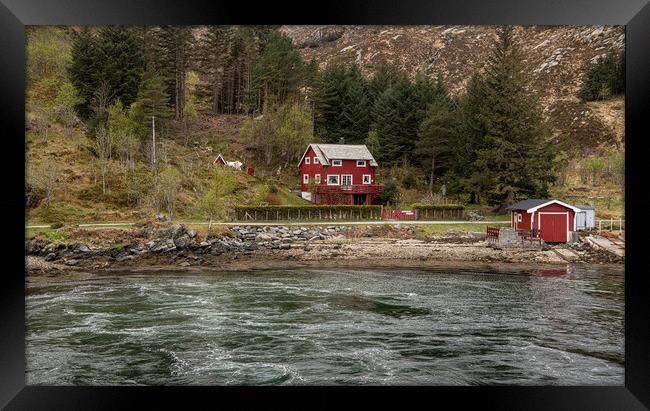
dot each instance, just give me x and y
(526, 204)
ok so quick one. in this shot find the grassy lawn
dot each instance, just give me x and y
(444, 228)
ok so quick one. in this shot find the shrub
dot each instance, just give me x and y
(409, 181)
(388, 193)
(273, 199)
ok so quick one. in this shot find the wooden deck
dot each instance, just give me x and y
(353, 189)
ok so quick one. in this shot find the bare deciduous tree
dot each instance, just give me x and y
(104, 149)
(44, 176)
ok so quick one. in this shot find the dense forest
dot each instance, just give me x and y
(125, 87)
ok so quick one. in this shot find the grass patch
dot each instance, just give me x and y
(445, 228)
(56, 235)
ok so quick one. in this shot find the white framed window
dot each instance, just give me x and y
(347, 179)
(307, 160)
(337, 163)
(305, 178)
(361, 163)
(317, 177)
(315, 160)
(333, 180)
(519, 217)
(367, 179)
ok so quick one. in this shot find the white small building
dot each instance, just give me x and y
(585, 218)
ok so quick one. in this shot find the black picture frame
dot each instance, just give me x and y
(16, 14)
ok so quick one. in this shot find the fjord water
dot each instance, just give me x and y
(450, 326)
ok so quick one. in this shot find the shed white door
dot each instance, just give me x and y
(581, 220)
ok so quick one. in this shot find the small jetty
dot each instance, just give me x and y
(615, 245)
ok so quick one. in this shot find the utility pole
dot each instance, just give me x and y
(153, 145)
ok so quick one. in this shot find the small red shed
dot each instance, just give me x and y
(554, 220)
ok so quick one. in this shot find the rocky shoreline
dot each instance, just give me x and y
(176, 247)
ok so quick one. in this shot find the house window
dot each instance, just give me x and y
(317, 177)
(347, 179)
(361, 163)
(518, 218)
(333, 180)
(305, 178)
(337, 163)
(315, 160)
(307, 160)
(366, 179)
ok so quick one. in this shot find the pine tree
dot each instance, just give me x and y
(119, 63)
(278, 71)
(329, 103)
(468, 140)
(214, 49)
(397, 114)
(173, 46)
(83, 70)
(605, 77)
(515, 162)
(153, 97)
(436, 131)
(355, 112)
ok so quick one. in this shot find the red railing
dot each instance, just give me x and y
(492, 234)
(353, 189)
(398, 214)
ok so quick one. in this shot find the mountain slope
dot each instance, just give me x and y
(556, 56)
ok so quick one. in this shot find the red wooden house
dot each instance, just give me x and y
(553, 220)
(341, 174)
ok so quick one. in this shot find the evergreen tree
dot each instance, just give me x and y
(214, 49)
(384, 78)
(515, 162)
(173, 46)
(397, 115)
(83, 70)
(120, 62)
(355, 112)
(436, 131)
(605, 77)
(329, 103)
(153, 97)
(279, 70)
(464, 176)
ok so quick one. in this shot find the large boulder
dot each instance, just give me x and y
(183, 241)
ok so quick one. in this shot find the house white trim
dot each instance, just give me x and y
(363, 179)
(533, 209)
(305, 178)
(361, 161)
(317, 178)
(315, 160)
(338, 180)
(337, 163)
(307, 160)
(343, 178)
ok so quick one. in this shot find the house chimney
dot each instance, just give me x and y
(342, 140)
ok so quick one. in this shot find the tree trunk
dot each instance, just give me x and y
(433, 167)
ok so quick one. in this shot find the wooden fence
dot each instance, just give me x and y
(281, 213)
(440, 213)
(398, 214)
(610, 225)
